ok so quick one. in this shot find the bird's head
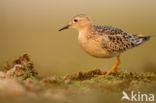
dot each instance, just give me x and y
(78, 22)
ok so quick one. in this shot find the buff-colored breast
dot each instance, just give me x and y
(92, 45)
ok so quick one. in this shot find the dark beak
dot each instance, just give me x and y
(66, 27)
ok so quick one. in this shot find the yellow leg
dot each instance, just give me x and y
(114, 69)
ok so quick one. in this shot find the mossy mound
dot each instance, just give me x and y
(19, 79)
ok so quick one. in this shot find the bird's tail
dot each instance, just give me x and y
(144, 38)
(139, 39)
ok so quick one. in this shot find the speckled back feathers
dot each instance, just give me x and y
(117, 40)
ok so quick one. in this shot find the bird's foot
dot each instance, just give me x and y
(112, 71)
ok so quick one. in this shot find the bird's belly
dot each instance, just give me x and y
(94, 48)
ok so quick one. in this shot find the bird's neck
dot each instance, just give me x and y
(84, 33)
(85, 30)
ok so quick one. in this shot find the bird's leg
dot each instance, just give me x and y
(114, 68)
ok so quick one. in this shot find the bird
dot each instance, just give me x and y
(104, 41)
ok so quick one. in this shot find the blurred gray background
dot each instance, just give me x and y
(31, 26)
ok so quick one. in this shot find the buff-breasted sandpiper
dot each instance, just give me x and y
(104, 41)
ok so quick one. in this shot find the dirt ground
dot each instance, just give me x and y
(20, 82)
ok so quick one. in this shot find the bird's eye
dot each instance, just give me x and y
(75, 20)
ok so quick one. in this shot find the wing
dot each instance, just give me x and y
(117, 43)
(117, 40)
